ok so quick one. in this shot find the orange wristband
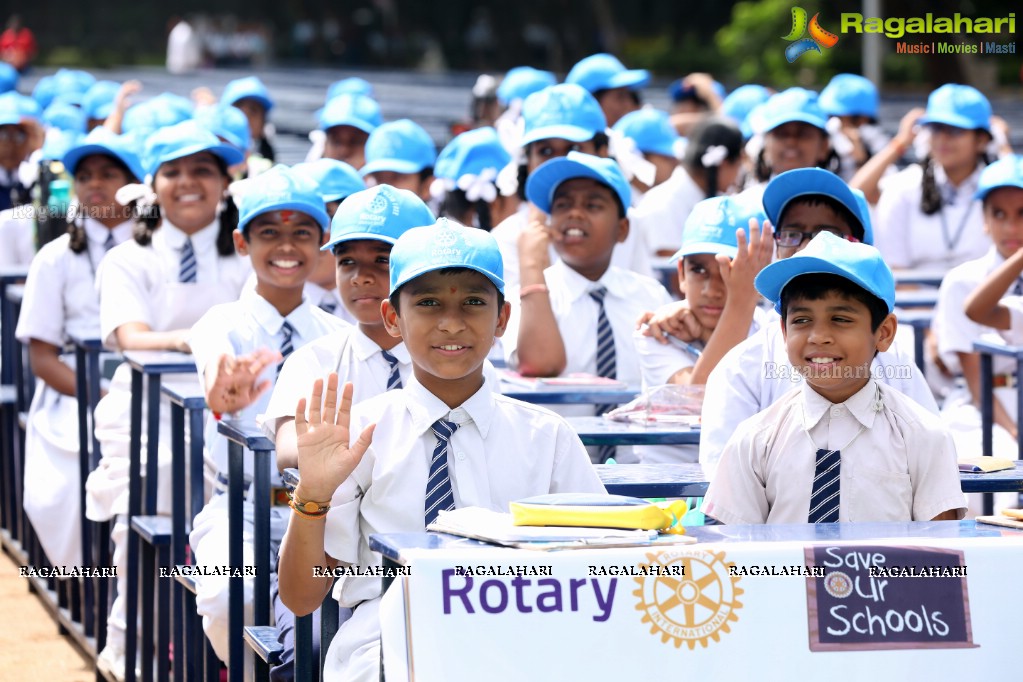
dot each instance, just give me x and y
(533, 289)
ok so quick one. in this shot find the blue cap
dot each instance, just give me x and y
(741, 101)
(381, 213)
(603, 72)
(103, 141)
(651, 130)
(861, 264)
(65, 116)
(472, 153)
(350, 86)
(227, 123)
(249, 87)
(184, 139)
(849, 95)
(73, 80)
(400, 146)
(58, 142)
(166, 109)
(959, 106)
(1006, 172)
(792, 105)
(278, 189)
(44, 91)
(8, 77)
(98, 101)
(801, 182)
(445, 244)
(15, 108)
(357, 111)
(565, 111)
(711, 226)
(334, 179)
(545, 180)
(679, 92)
(521, 82)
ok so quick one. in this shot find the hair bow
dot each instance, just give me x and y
(631, 160)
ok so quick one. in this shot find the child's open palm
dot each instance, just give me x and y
(325, 458)
(235, 384)
(753, 256)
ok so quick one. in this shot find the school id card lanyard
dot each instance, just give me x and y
(951, 241)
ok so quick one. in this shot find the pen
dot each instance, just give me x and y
(688, 347)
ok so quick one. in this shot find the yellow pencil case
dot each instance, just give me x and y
(599, 511)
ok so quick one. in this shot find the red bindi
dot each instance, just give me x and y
(286, 216)
(452, 290)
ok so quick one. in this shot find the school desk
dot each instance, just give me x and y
(600, 431)
(147, 370)
(738, 604)
(569, 395)
(920, 277)
(916, 298)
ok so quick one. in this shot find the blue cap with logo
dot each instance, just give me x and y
(334, 179)
(521, 82)
(959, 106)
(184, 139)
(604, 71)
(381, 213)
(802, 182)
(249, 87)
(349, 86)
(445, 244)
(564, 111)
(1005, 172)
(793, 105)
(826, 253)
(400, 146)
(474, 152)
(102, 141)
(711, 226)
(347, 109)
(226, 122)
(278, 189)
(849, 94)
(545, 180)
(651, 130)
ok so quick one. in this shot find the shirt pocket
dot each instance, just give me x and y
(879, 495)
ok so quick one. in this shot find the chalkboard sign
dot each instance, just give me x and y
(883, 597)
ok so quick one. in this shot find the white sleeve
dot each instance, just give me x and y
(208, 338)
(934, 472)
(300, 371)
(17, 234)
(510, 338)
(42, 309)
(738, 490)
(573, 471)
(1015, 306)
(955, 331)
(891, 232)
(124, 286)
(659, 361)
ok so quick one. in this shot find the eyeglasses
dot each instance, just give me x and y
(943, 129)
(16, 136)
(791, 237)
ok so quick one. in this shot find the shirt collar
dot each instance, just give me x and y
(425, 408)
(578, 286)
(365, 348)
(201, 240)
(862, 405)
(267, 316)
(951, 193)
(97, 233)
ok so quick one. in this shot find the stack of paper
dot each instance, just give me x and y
(983, 465)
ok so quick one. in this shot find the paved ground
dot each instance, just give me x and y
(432, 100)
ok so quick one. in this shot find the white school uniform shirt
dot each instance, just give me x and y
(504, 450)
(628, 296)
(140, 283)
(349, 352)
(909, 239)
(17, 234)
(631, 254)
(661, 215)
(60, 301)
(238, 328)
(319, 297)
(898, 462)
(756, 373)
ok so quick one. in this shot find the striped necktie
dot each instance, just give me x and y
(286, 346)
(328, 306)
(394, 380)
(189, 266)
(827, 488)
(606, 364)
(1017, 288)
(110, 243)
(439, 496)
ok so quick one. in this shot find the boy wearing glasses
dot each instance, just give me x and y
(754, 374)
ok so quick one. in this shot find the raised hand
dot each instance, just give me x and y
(535, 239)
(752, 257)
(235, 384)
(325, 458)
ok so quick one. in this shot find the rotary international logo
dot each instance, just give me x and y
(819, 37)
(379, 204)
(694, 605)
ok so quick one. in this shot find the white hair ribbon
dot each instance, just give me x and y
(714, 155)
(631, 160)
(477, 187)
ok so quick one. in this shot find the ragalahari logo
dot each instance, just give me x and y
(818, 36)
